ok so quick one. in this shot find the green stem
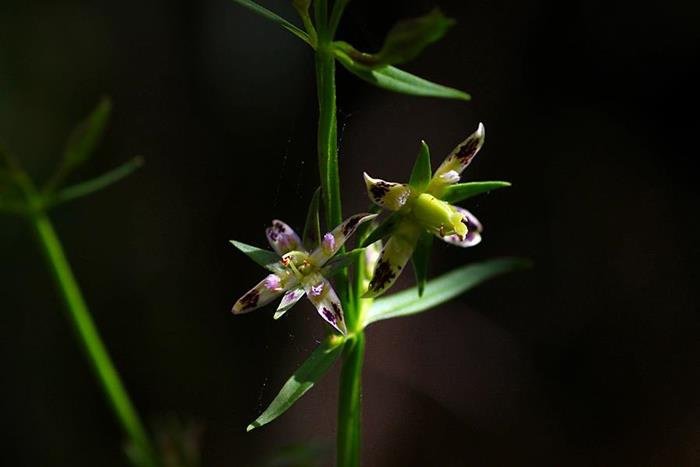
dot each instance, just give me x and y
(349, 403)
(90, 339)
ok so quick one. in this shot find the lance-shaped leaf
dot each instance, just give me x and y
(394, 79)
(442, 289)
(340, 261)
(312, 228)
(461, 191)
(407, 39)
(96, 184)
(420, 259)
(302, 380)
(263, 257)
(275, 18)
(85, 137)
(421, 173)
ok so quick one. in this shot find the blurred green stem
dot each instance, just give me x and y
(349, 403)
(89, 336)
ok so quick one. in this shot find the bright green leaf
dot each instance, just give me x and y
(302, 380)
(462, 191)
(275, 18)
(394, 79)
(86, 136)
(442, 289)
(382, 230)
(420, 260)
(312, 228)
(422, 172)
(407, 39)
(103, 181)
(260, 256)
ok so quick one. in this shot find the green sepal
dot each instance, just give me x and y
(263, 257)
(422, 172)
(461, 191)
(275, 18)
(318, 363)
(312, 227)
(406, 40)
(383, 230)
(442, 289)
(340, 261)
(420, 260)
(85, 138)
(394, 79)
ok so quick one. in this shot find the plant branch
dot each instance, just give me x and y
(90, 339)
(349, 403)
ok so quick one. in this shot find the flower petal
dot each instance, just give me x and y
(267, 290)
(393, 258)
(474, 228)
(334, 240)
(320, 292)
(288, 301)
(282, 238)
(388, 195)
(460, 157)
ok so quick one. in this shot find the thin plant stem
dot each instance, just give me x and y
(349, 403)
(90, 339)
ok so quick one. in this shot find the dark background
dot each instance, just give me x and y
(589, 359)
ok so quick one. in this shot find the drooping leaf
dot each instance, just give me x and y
(341, 261)
(85, 137)
(394, 79)
(302, 380)
(263, 257)
(275, 18)
(422, 172)
(420, 260)
(461, 191)
(382, 230)
(442, 289)
(90, 186)
(312, 228)
(406, 40)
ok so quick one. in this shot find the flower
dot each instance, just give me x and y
(420, 209)
(299, 272)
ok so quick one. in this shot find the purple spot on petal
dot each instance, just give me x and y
(328, 314)
(250, 299)
(316, 290)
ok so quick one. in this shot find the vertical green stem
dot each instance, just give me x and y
(349, 404)
(90, 339)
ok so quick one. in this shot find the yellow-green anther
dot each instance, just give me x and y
(438, 215)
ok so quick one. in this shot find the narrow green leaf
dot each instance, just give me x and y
(462, 191)
(312, 228)
(382, 230)
(86, 136)
(340, 261)
(394, 79)
(275, 18)
(263, 257)
(422, 172)
(420, 260)
(302, 380)
(407, 39)
(103, 181)
(442, 289)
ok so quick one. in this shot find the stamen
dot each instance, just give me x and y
(328, 243)
(273, 282)
(451, 176)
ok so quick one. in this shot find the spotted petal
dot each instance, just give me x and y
(394, 256)
(332, 241)
(288, 301)
(388, 195)
(326, 301)
(267, 290)
(460, 157)
(474, 228)
(282, 238)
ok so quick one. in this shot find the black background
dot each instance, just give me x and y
(591, 358)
